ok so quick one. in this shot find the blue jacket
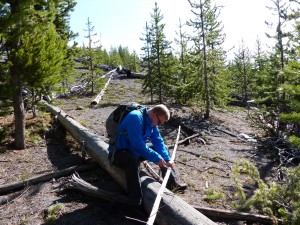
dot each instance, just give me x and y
(133, 133)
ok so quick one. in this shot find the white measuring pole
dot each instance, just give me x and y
(163, 185)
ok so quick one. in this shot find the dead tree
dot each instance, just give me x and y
(100, 95)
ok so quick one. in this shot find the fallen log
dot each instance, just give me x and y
(100, 95)
(175, 210)
(4, 189)
(137, 75)
(226, 132)
(5, 199)
(78, 184)
(226, 214)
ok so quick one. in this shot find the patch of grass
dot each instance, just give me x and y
(84, 123)
(217, 157)
(6, 131)
(191, 183)
(35, 138)
(183, 158)
(139, 81)
(37, 127)
(25, 220)
(24, 176)
(212, 195)
(211, 171)
(5, 111)
(53, 212)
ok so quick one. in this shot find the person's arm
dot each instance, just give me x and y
(159, 144)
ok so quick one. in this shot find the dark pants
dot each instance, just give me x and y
(130, 163)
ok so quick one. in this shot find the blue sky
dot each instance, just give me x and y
(122, 22)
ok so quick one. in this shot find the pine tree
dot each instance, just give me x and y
(148, 82)
(33, 38)
(115, 58)
(283, 52)
(208, 56)
(183, 66)
(159, 55)
(263, 81)
(243, 73)
(292, 90)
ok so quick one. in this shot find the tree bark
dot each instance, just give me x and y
(19, 111)
(173, 211)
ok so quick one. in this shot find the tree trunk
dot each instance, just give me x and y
(19, 112)
(173, 209)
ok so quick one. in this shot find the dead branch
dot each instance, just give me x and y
(226, 132)
(75, 182)
(46, 177)
(188, 139)
(226, 214)
(152, 172)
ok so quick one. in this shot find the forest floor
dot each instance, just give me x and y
(205, 162)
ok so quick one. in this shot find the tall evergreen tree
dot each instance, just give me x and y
(282, 53)
(292, 88)
(208, 56)
(243, 72)
(159, 55)
(33, 37)
(183, 66)
(263, 81)
(148, 82)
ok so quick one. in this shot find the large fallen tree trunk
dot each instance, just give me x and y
(174, 210)
(100, 95)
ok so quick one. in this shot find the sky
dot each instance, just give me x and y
(123, 22)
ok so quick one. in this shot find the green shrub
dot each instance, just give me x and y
(275, 200)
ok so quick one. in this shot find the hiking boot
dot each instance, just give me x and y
(178, 187)
(173, 184)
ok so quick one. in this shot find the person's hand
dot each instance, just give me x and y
(161, 162)
(170, 164)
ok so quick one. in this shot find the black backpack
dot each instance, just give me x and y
(115, 119)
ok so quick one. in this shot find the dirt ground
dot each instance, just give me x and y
(203, 162)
